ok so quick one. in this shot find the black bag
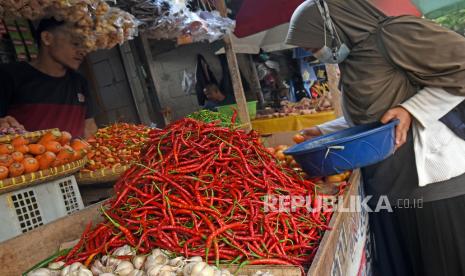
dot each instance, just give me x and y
(204, 76)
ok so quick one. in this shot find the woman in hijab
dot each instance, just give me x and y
(412, 70)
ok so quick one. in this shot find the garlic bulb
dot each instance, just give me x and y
(84, 272)
(124, 268)
(40, 272)
(158, 259)
(156, 270)
(110, 261)
(56, 266)
(138, 261)
(167, 273)
(124, 251)
(107, 274)
(71, 270)
(197, 268)
(178, 262)
(223, 272)
(137, 272)
(195, 259)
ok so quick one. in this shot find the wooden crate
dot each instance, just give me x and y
(342, 249)
(20, 253)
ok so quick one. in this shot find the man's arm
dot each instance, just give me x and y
(90, 128)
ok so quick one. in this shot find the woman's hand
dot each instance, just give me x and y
(311, 133)
(402, 129)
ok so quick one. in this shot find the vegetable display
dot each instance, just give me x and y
(54, 149)
(208, 116)
(201, 190)
(116, 145)
(94, 22)
(125, 262)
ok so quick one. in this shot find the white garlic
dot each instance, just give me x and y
(167, 273)
(56, 266)
(206, 271)
(195, 259)
(84, 272)
(138, 261)
(197, 268)
(107, 274)
(97, 268)
(71, 270)
(124, 268)
(225, 272)
(156, 270)
(188, 268)
(159, 259)
(178, 262)
(40, 272)
(110, 261)
(124, 251)
(137, 272)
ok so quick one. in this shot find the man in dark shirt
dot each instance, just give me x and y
(216, 98)
(48, 92)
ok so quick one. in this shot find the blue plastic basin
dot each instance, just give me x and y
(345, 150)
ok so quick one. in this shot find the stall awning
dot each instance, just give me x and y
(269, 41)
(256, 16)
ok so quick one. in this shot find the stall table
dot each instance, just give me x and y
(291, 123)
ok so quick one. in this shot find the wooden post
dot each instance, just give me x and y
(153, 75)
(333, 84)
(235, 73)
(255, 82)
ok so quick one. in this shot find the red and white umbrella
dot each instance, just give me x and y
(256, 16)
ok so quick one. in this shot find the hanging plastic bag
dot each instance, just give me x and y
(188, 83)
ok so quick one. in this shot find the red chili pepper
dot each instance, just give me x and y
(124, 230)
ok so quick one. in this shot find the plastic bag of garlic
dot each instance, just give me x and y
(97, 25)
(164, 19)
(125, 262)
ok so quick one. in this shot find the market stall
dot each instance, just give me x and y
(349, 231)
(173, 150)
(293, 123)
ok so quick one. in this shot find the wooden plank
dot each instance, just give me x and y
(147, 53)
(237, 84)
(19, 254)
(333, 84)
(235, 73)
(275, 270)
(255, 82)
(323, 261)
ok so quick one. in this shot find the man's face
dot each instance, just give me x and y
(65, 48)
(213, 95)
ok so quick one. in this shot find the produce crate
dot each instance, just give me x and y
(28, 208)
(341, 251)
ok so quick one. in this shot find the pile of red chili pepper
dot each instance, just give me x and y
(200, 190)
(116, 145)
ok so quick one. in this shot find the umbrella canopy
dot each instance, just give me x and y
(259, 15)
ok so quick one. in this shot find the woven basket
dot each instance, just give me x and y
(31, 136)
(100, 176)
(30, 179)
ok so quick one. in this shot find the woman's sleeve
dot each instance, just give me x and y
(430, 104)
(333, 126)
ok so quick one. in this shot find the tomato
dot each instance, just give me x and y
(298, 138)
